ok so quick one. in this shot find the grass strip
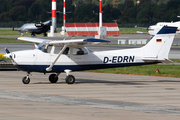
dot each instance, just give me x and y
(166, 70)
(9, 31)
(131, 30)
(11, 40)
(175, 60)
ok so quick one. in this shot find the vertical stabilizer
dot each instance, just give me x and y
(159, 46)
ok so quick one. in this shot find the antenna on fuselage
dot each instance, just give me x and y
(74, 36)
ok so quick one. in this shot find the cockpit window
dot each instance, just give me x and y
(79, 51)
(58, 49)
(66, 51)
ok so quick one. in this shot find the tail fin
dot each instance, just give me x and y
(159, 46)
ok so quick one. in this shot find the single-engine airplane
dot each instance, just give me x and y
(35, 28)
(74, 56)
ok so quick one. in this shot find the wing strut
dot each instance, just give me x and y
(50, 67)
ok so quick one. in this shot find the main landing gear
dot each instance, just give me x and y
(53, 78)
(70, 79)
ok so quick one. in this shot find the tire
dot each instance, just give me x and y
(26, 81)
(32, 34)
(70, 79)
(45, 34)
(53, 78)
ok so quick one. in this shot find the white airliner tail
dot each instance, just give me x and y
(159, 46)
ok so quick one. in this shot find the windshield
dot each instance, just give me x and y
(43, 46)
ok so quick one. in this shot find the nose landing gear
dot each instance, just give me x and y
(26, 79)
(53, 78)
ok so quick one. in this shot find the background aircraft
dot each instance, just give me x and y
(74, 56)
(153, 29)
(36, 28)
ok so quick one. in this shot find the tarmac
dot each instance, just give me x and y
(94, 96)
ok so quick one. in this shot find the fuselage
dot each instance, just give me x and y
(37, 60)
(159, 25)
(37, 28)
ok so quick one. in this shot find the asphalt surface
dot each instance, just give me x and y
(93, 96)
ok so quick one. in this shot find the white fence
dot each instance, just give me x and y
(122, 42)
(133, 42)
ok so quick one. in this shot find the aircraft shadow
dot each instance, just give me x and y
(170, 81)
(86, 81)
(130, 82)
(48, 83)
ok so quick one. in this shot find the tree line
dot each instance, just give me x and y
(122, 11)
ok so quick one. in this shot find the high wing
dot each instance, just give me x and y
(79, 42)
(70, 43)
(34, 40)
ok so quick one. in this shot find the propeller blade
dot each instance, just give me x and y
(7, 51)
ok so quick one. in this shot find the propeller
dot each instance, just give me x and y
(7, 51)
(8, 54)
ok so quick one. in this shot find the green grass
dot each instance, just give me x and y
(9, 31)
(175, 60)
(131, 30)
(11, 40)
(3, 59)
(164, 70)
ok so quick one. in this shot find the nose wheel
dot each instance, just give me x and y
(26, 79)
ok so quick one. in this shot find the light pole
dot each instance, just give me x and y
(53, 28)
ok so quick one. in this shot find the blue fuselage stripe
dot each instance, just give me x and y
(61, 68)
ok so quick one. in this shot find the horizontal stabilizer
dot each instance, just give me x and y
(156, 59)
(139, 32)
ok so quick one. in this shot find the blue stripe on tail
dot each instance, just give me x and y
(167, 30)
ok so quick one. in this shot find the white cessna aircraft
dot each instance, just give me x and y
(74, 56)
